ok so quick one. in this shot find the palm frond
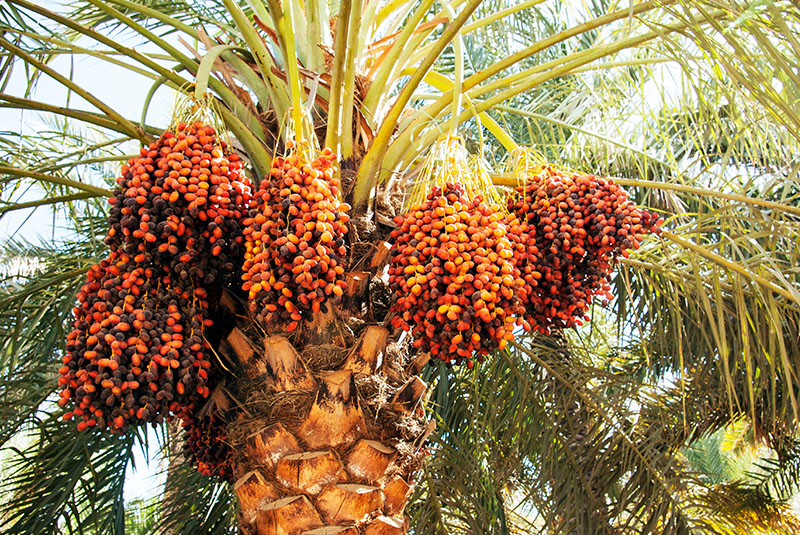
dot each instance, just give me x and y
(36, 299)
(778, 477)
(141, 516)
(193, 503)
(67, 481)
(555, 442)
(725, 290)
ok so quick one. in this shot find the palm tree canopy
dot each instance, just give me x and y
(691, 105)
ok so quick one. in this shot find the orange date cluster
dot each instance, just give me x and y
(180, 205)
(296, 254)
(137, 352)
(452, 272)
(206, 445)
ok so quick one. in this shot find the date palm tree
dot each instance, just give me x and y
(691, 105)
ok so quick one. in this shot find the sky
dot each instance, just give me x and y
(123, 90)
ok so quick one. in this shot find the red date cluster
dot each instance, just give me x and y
(567, 230)
(206, 445)
(137, 352)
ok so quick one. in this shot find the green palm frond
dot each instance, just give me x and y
(141, 516)
(731, 509)
(487, 432)
(722, 286)
(193, 503)
(67, 482)
(194, 14)
(36, 299)
(552, 443)
(778, 477)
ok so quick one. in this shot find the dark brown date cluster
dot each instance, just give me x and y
(455, 283)
(180, 205)
(567, 230)
(295, 254)
(137, 352)
(206, 446)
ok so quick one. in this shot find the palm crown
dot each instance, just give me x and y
(691, 105)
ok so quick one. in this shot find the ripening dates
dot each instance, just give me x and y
(295, 254)
(180, 204)
(452, 272)
(464, 274)
(136, 353)
(567, 231)
(206, 445)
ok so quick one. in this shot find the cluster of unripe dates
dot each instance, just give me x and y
(206, 446)
(137, 352)
(295, 256)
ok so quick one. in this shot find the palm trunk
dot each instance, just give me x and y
(330, 433)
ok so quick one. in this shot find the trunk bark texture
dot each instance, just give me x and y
(330, 431)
